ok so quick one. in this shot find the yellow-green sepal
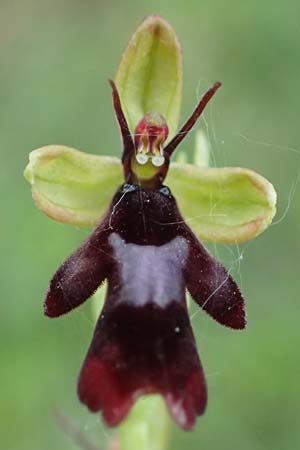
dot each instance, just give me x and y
(149, 77)
(71, 186)
(229, 205)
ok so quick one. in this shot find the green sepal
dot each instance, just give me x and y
(227, 205)
(71, 186)
(220, 204)
(149, 76)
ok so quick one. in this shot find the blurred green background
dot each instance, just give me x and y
(56, 56)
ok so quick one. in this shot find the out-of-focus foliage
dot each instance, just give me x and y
(55, 59)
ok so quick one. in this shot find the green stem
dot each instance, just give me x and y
(147, 427)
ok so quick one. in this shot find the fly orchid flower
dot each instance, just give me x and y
(143, 341)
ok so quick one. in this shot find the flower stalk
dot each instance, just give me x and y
(147, 427)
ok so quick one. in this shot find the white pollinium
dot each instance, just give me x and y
(142, 158)
(158, 161)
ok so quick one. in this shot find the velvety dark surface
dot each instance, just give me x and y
(139, 350)
(144, 345)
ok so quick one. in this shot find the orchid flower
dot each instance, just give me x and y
(150, 256)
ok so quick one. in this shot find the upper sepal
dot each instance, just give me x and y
(71, 186)
(149, 77)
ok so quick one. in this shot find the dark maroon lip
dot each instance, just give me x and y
(143, 341)
(143, 350)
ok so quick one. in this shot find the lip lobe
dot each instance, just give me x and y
(142, 350)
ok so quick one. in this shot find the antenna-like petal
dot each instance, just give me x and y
(192, 119)
(126, 135)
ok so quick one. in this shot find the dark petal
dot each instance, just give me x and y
(80, 275)
(173, 144)
(140, 350)
(212, 287)
(128, 144)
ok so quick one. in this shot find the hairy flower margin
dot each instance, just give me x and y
(143, 341)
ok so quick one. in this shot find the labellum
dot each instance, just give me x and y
(143, 341)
